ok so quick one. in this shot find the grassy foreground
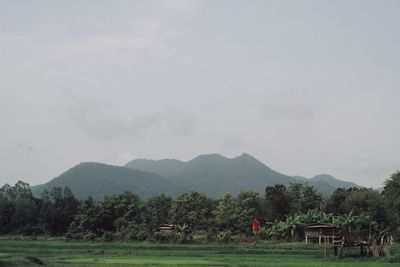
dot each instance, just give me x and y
(56, 252)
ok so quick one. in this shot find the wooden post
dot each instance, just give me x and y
(306, 239)
(341, 248)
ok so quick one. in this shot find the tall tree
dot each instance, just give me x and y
(193, 209)
(391, 194)
(248, 206)
(310, 199)
(226, 213)
(278, 202)
(157, 211)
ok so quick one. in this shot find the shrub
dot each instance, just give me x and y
(133, 232)
(224, 236)
(89, 236)
(74, 232)
(107, 236)
(263, 233)
(164, 237)
(35, 260)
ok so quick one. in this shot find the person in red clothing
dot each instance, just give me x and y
(256, 225)
(256, 229)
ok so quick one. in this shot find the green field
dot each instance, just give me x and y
(56, 252)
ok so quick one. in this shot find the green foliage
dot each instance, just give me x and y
(164, 237)
(391, 198)
(226, 212)
(35, 260)
(132, 232)
(278, 201)
(183, 234)
(107, 236)
(157, 211)
(282, 201)
(192, 209)
(293, 226)
(224, 236)
(127, 217)
(248, 206)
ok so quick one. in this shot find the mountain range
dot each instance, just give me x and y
(211, 174)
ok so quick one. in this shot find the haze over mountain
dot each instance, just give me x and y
(211, 174)
(314, 84)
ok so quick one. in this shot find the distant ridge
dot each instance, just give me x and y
(211, 174)
(97, 180)
(332, 181)
(163, 167)
(214, 174)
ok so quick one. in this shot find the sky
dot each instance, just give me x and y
(306, 87)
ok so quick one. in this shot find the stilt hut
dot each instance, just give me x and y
(323, 232)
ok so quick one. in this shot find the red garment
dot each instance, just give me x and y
(256, 225)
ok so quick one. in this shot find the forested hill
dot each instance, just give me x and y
(211, 174)
(215, 174)
(98, 180)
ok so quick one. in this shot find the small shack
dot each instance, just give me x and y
(323, 232)
(166, 228)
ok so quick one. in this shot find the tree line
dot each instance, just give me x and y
(282, 211)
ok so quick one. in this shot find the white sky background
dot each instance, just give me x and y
(307, 87)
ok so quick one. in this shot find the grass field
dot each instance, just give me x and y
(56, 252)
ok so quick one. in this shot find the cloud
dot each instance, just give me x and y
(26, 148)
(126, 156)
(181, 6)
(106, 122)
(368, 170)
(233, 143)
(288, 105)
(141, 43)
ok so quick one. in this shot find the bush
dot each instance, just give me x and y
(74, 232)
(184, 238)
(263, 233)
(224, 236)
(34, 260)
(89, 237)
(164, 237)
(107, 236)
(133, 232)
(201, 238)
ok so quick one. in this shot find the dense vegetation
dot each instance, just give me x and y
(282, 211)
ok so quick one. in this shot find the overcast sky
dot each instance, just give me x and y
(307, 87)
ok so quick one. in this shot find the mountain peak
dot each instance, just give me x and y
(98, 180)
(211, 156)
(215, 157)
(246, 156)
(324, 176)
(333, 181)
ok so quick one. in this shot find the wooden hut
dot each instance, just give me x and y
(166, 228)
(323, 232)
